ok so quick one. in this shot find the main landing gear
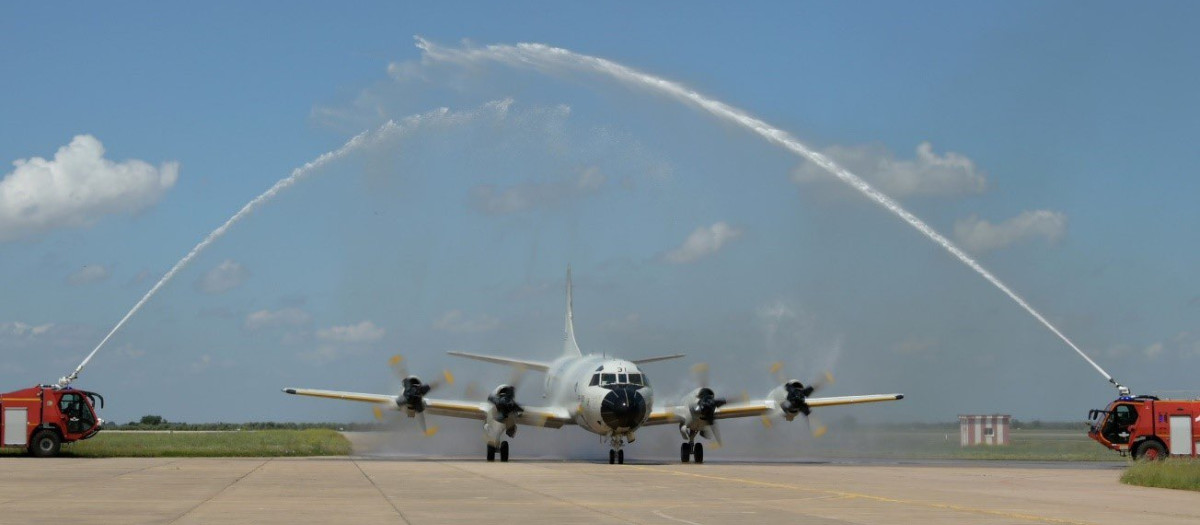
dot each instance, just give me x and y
(690, 450)
(502, 449)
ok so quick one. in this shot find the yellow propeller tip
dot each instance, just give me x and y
(395, 359)
(820, 431)
(431, 431)
(449, 377)
(776, 366)
(378, 413)
(828, 377)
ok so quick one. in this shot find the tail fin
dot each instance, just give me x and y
(570, 347)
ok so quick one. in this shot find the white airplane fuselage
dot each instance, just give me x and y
(607, 396)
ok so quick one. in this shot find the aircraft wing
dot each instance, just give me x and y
(762, 407)
(548, 417)
(523, 363)
(348, 396)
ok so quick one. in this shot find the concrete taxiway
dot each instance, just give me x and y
(376, 490)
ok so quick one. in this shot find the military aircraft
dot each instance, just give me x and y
(604, 395)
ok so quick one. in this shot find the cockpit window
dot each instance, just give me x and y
(622, 379)
(635, 379)
(608, 379)
(595, 380)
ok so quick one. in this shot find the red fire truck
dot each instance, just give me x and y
(42, 418)
(1147, 427)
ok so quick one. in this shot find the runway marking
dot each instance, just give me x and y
(385, 497)
(219, 492)
(882, 499)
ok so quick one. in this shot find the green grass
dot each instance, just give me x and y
(258, 443)
(1181, 474)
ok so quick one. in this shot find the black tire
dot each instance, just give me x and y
(698, 452)
(621, 457)
(685, 453)
(491, 453)
(612, 457)
(1150, 451)
(504, 452)
(45, 444)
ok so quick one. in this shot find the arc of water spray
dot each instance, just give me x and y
(543, 57)
(408, 124)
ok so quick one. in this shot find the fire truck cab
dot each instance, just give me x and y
(1147, 427)
(42, 418)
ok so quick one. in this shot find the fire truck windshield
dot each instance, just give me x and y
(1116, 424)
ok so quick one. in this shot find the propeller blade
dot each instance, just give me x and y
(700, 372)
(421, 421)
(447, 379)
(518, 373)
(745, 396)
(431, 431)
(378, 413)
(776, 372)
(397, 364)
(766, 422)
(815, 426)
(716, 435)
(472, 390)
(822, 382)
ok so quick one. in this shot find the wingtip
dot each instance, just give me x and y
(899, 397)
(289, 390)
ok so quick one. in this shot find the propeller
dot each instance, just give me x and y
(705, 407)
(505, 401)
(413, 392)
(796, 398)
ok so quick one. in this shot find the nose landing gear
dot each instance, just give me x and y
(617, 454)
(689, 451)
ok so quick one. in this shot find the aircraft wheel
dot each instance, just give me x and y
(699, 453)
(621, 457)
(612, 457)
(491, 453)
(504, 452)
(685, 452)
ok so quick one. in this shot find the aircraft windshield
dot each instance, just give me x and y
(635, 379)
(608, 379)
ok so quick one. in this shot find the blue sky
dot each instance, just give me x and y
(1058, 151)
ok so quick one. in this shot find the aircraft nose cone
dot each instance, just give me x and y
(623, 408)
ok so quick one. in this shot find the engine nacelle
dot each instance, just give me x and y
(791, 398)
(412, 398)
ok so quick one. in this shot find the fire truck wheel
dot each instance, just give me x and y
(45, 444)
(1151, 451)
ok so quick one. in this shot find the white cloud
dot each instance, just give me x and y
(92, 273)
(927, 174)
(224, 277)
(524, 197)
(704, 241)
(76, 188)
(979, 236)
(19, 329)
(364, 332)
(287, 317)
(456, 321)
